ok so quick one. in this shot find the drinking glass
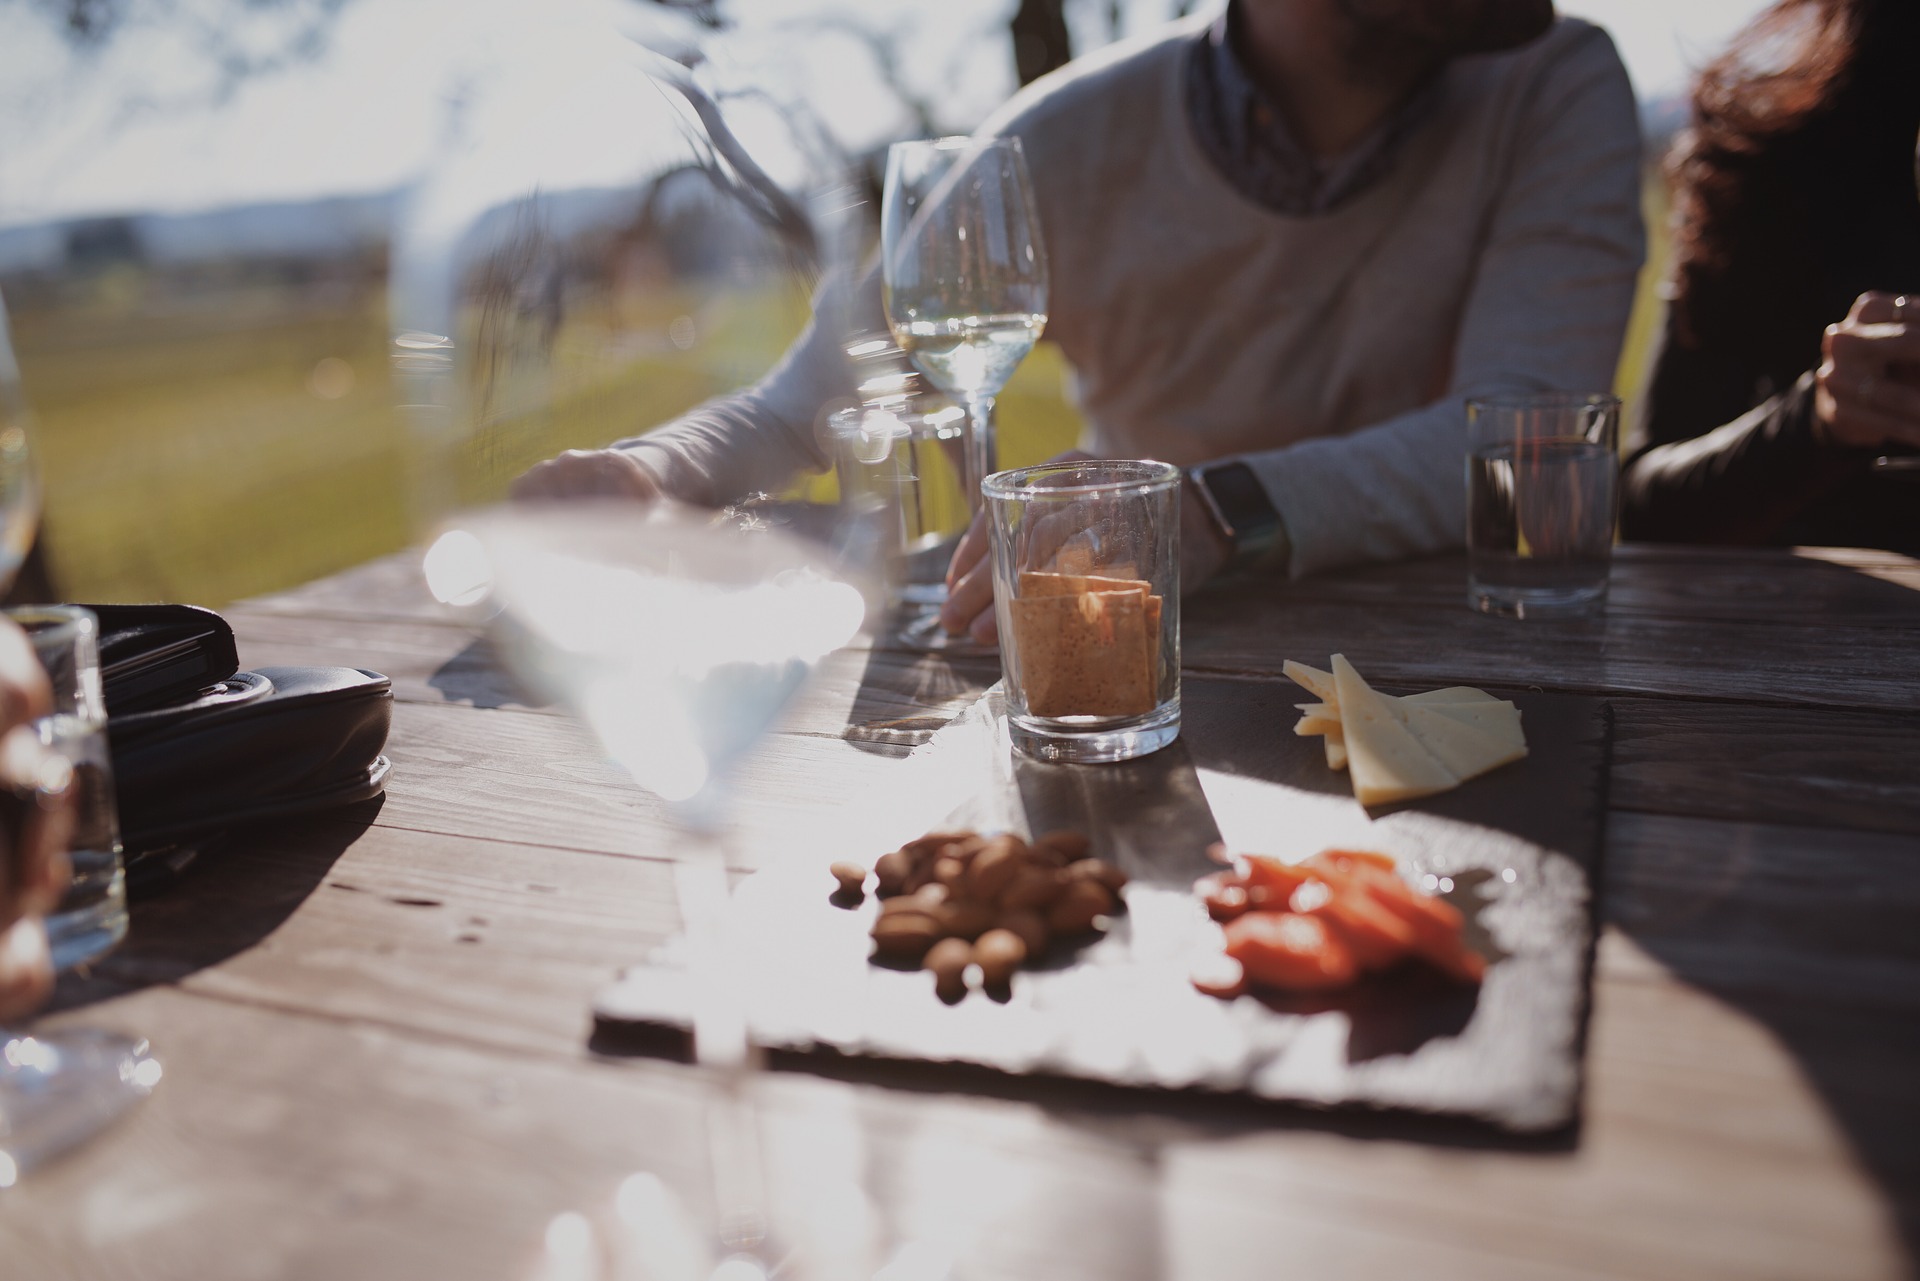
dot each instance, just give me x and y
(1086, 591)
(1542, 475)
(91, 918)
(966, 274)
(58, 1088)
(898, 456)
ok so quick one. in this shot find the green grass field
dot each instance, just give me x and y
(206, 453)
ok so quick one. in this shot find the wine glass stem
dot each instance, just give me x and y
(982, 454)
(723, 1045)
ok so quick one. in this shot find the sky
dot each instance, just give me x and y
(550, 85)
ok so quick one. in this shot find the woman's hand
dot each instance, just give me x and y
(969, 607)
(1867, 389)
(34, 836)
(588, 473)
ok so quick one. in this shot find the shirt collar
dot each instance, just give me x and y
(1248, 139)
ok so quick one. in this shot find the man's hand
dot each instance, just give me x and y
(588, 473)
(1868, 385)
(33, 841)
(969, 608)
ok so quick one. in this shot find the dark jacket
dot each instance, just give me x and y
(1726, 451)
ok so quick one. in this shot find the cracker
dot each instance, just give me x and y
(1040, 583)
(1084, 655)
(1044, 583)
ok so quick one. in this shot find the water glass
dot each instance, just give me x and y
(898, 456)
(1542, 475)
(1086, 588)
(92, 916)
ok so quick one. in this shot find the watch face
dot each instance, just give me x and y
(1241, 497)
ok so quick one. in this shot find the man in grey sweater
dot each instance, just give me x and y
(1295, 237)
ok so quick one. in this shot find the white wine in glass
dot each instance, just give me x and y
(966, 274)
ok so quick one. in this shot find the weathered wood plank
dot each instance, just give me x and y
(1797, 765)
(1848, 585)
(541, 780)
(1243, 631)
(1246, 629)
(478, 940)
(1711, 1151)
(884, 697)
(1769, 911)
(292, 1147)
(390, 588)
(1851, 587)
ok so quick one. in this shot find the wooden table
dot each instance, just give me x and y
(377, 1044)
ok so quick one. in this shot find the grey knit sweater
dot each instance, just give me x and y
(1332, 352)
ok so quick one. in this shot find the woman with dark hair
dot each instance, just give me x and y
(1790, 366)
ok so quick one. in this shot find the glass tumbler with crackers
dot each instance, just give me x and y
(1086, 588)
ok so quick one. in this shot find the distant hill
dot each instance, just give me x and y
(335, 227)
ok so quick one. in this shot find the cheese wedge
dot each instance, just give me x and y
(1336, 743)
(1311, 726)
(1466, 751)
(1497, 718)
(1387, 762)
(1451, 694)
(1316, 682)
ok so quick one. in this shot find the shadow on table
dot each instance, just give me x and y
(904, 698)
(477, 676)
(230, 899)
(1743, 926)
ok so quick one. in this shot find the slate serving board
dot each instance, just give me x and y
(1518, 850)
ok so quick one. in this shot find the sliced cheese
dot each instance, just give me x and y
(1316, 682)
(1336, 742)
(1466, 751)
(1500, 719)
(1387, 762)
(1319, 709)
(1452, 694)
(1312, 726)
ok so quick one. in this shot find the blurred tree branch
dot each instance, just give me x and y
(236, 39)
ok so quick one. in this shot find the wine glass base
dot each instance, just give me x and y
(59, 1089)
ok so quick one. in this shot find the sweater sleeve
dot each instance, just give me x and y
(1547, 310)
(761, 437)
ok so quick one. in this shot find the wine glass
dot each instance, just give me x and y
(965, 274)
(677, 637)
(57, 1088)
(557, 288)
(898, 453)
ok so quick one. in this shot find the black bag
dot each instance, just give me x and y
(161, 655)
(282, 740)
(199, 747)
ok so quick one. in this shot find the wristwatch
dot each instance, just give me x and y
(1237, 504)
